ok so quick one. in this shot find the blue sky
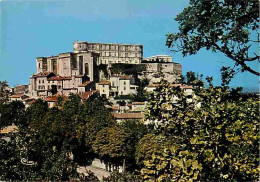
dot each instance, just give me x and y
(35, 28)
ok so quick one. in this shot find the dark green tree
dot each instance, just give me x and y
(225, 26)
(11, 113)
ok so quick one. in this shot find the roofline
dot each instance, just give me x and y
(105, 43)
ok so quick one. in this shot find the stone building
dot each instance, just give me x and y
(169, 71)
(158, 59)
(63, 74)
(21, 89)
(117, 85)
(78, 71)
(112, 53)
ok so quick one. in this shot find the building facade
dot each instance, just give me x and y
(112, 53)
(159, 59)
(63, 74)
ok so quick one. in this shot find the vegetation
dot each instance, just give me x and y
(214, 142)
(51, 141)
(103, 68)
(223, 26)
(127, 69)
(192, 79)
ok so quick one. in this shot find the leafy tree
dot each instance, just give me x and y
(190, 77)
(35, 114)
(142, 94)
(113, 144)
(225, 26)
(116, 176)
(11, 113)
(103, 67)
(216, 141)
(128, 69)
(3, 94)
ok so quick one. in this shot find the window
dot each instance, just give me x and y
(126, 54)
(103, 86)
(39, 81)
(124, 87)
(124, 82)
(103, 91)
(39, 65)
(86, 69)
(80, 65)
(42, 81)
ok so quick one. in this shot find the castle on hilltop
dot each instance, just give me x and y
(79, 71)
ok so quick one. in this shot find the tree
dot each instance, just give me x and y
(142, 94)
(113, 144)
(214, 142)
(225, 26)
(192, 79)
(11, 113)
(3, 94)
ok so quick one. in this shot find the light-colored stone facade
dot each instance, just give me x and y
(157, 71)
(159, 58)
(63, 74)
(112, 53)
(72, 72)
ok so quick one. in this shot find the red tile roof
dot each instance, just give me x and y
(127, 115)
(86, 95)
(55, 78)
(85, 84)
(51, 98)
(104, 82)
(43, 74)
(16, 96)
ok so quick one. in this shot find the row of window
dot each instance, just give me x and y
(42, 87)
(113, 47)
(42, 81)
(116, 54)
(110, 62)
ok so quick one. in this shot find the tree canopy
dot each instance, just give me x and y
(225, 26)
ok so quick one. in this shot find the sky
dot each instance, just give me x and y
(42, 28)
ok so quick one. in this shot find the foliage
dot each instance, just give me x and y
(53, 140)
(142, 94)
(11, 113)
(3, 94)
(191, 79)
(103, 67)
(116, 177)
(113, 144)
(214, 142)
(225, 26)
(128, 69)
(125, 97)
